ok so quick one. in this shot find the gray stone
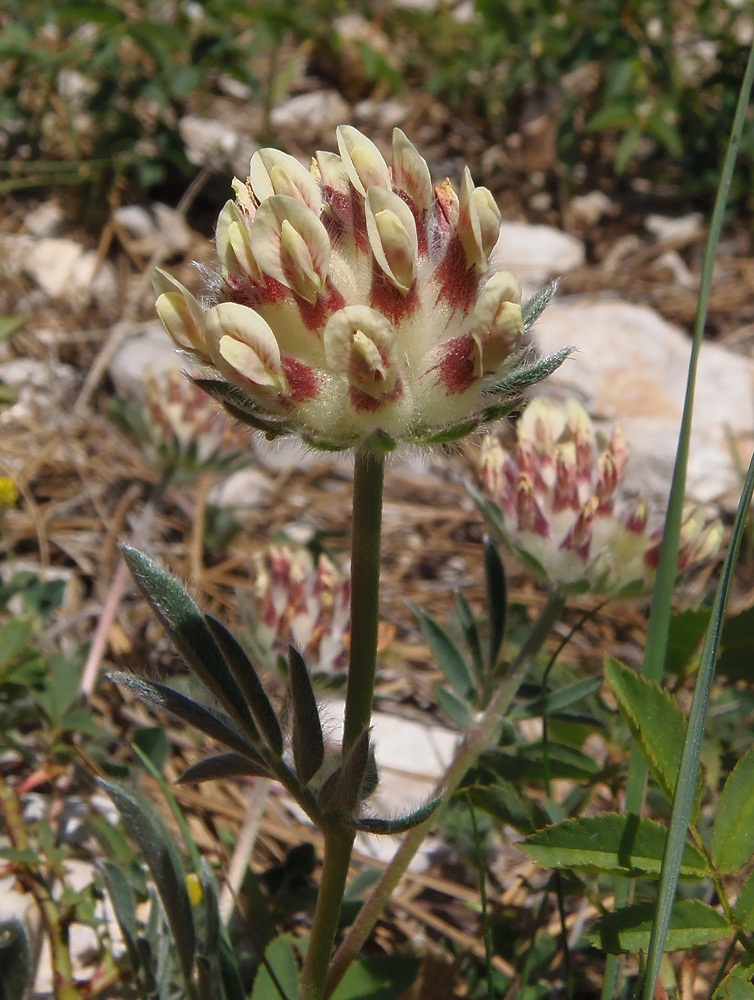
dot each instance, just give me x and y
(630, 367)
(157, 228)
(209, 142)
(149, 351)
(45, 220)
(536, 254)
(67, 271)
(312, 112)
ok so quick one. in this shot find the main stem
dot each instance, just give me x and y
(477, 740)
(365, 616)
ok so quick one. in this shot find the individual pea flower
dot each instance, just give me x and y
(8, 494)
(354, 305)
(182, 428)
(560, 502)
(303, 602)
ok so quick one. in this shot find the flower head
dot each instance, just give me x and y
(182, 428)
(302, 602)
(560, 502)
(355, 305)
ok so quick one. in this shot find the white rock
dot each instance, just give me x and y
(149, 351)
(246, 488)
(157, 228)
(589, 208)
(209, 142)
(666, 229)
(630, 367)
(45, 220)
(40, 386)
(387, 113)
(65, 270)
(536, 254)
(314, 111)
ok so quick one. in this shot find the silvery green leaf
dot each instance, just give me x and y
(185, 625)
(222, 766)
(306, 737)
(533, 308)
(402, 824)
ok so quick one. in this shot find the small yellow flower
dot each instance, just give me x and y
(8, 494)
(354, 303)
(194, 888)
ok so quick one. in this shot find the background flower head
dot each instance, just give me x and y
(557, 495)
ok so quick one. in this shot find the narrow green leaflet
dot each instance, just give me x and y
(184, 623)
(503, 802)
(248, 680)
(655, 722)
(457, 710)
(614, 843)
(206, 720)
(306, 737)
(744, 908)
(733, 832)
(381, 977)
(278, 978)
(556, 701)
(221, 767)
(447, 655)
(470, 632)
(124, 905)
(497, 598)
(692, 923)
(157, 846)
(736, 985)
(15, 960)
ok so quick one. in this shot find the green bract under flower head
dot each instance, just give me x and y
(355, 306)
(560, 502)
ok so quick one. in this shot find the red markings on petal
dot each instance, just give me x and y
(303, 380)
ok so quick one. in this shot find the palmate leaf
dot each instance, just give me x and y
(556, 701)
(692, 923)
(147, 829)
(185, 624)
(616, 844)
(733, 831)
(656, 723)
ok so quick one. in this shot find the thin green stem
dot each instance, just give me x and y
(477, 740)
(486, 929)
(338, 846)
(365, 593)
(365, 613)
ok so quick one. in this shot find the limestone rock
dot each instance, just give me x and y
(148, 350)
(536, 254)
(309, 114)
(630, 367)
(65, 270)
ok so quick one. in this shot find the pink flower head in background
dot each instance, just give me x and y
(302, 602)
(559, 500)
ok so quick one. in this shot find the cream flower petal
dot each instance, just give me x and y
(273, 172)
(363, 162)
(240, 339)
(291, 245)
(392, 236)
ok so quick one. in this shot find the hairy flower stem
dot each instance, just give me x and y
(365, 593)
(365, 602)
(477, 740)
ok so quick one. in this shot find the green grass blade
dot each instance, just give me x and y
(660, 615)
(683, 800)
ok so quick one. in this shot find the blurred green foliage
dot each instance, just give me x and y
(656, 81)
(94, 91)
